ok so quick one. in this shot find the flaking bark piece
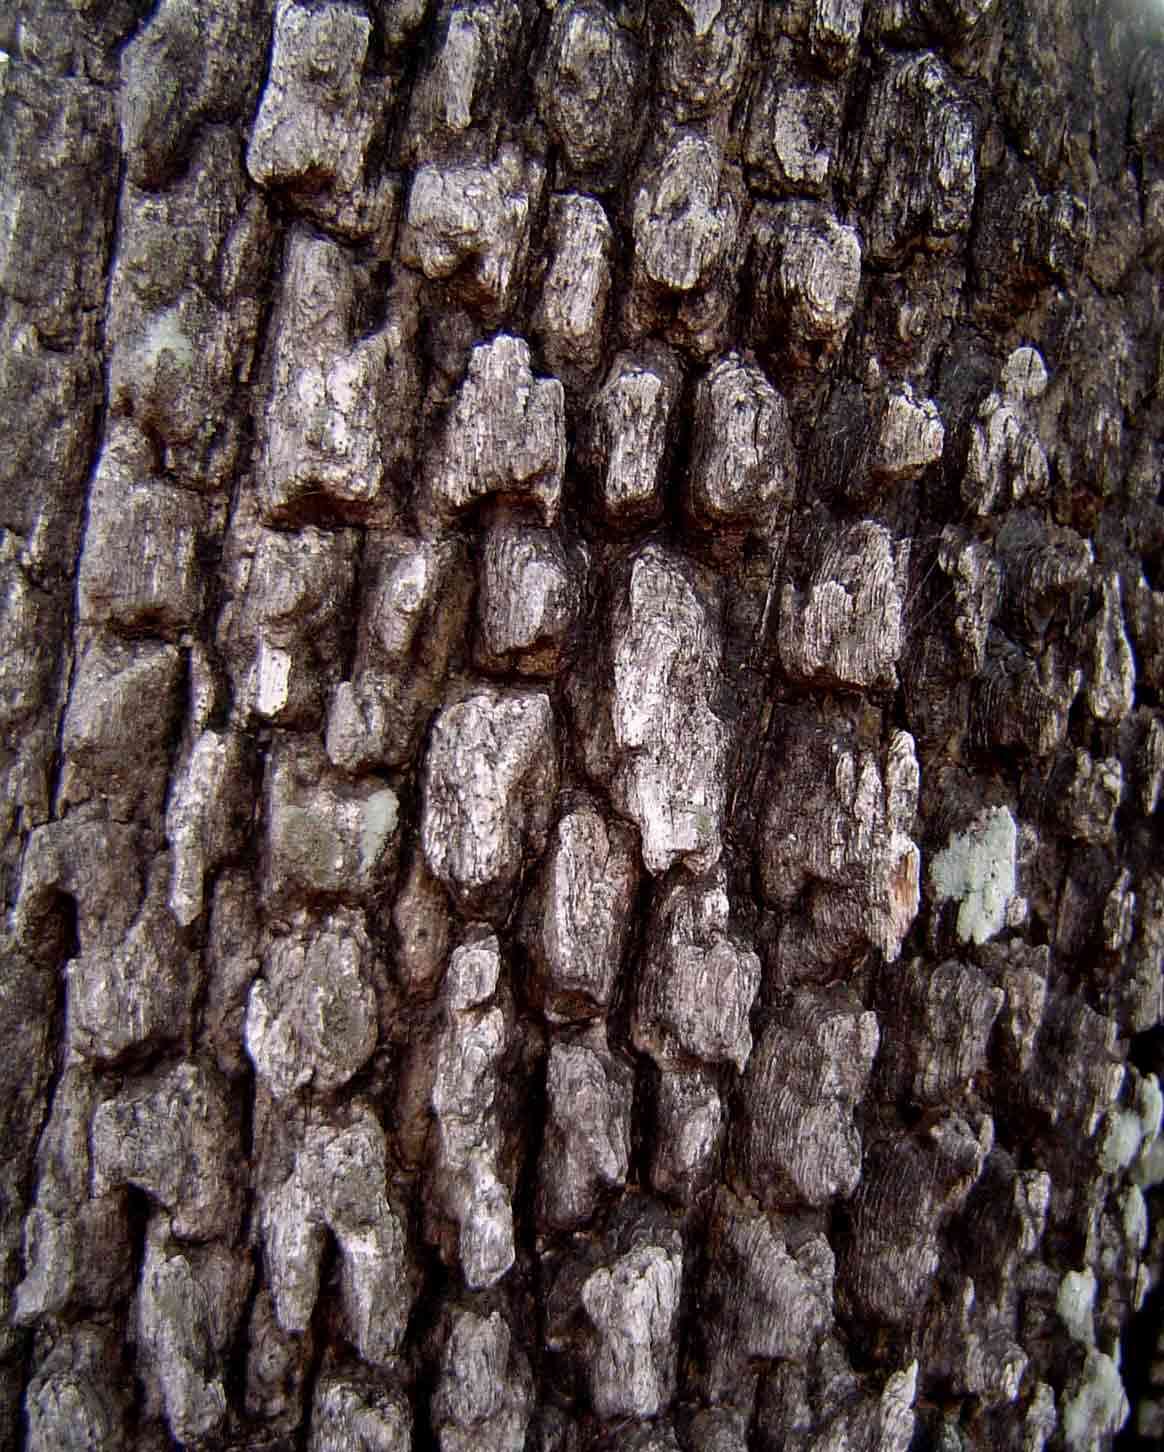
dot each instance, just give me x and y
(484, 1395)
(743, 470)
(490, 779)
(189, 1305)
(470, 1211)
(312, 1017)
(913, 165)
(698, 981)
(630, 434)
(847, 627)
(191, 62)
(587, 83)
(570, 319)
(467, 224)
(577, 919)
(805, 267)
(174, 1136)
(528, 600)
(319, 121)
(888, 1261)
(338, 1184)
(355, 1412)
(281, 628)
(326, 838)
(837, 822)
(796, 1140)
(413, 611)
(504, 435)
(645, 713)
(454, 111)
(685, 221)
(768, 1295)
(339, 428)
(586, 1149)
(690, 1118)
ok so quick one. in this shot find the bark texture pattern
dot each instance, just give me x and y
(582, 708)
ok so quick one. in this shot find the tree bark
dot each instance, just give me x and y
(583, 617)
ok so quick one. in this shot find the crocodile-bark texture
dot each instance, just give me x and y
(582, 707)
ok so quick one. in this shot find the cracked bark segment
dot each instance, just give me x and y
(847, 627)
(834, 28)
(1046, 573)
(186, 300)
(504, 435)
(326, 838)
(806, 273)
(208, 817)
(684, 223)
(141, 567)
(484, 1397)
(77, 1397)
(93, 863)
(645, 715)
(471, 1183)
(191, 63)
(320, 120)
(975, 576)
(698, 981)
(571, 314)
(116, 733)
(77, 1249)
(795, 1139)
(768, 1294)
(129, 1000)
(1087, 794)
(312, 1017)
(173, 1136)
(280, 630)
(338, 1183)
(690, 1118)
(577, 918)
(490, 779)
(1111, 678)
(837, 822)
(884, 1421)
(1075, 1073)
(704, 51)
(453, 109)
(743, 470)
(631, 434)
(586, 1150)
(189, 1306)
(945, 1016)
(468, 224)
(338, 429)
(630, 1303)
(529, 595)
(1024, 699)
(357, 1413)
(791, 142)
(1006, 463)
(913, 168)
(415, 602)
(587, 83)
(889, 1259)
(910, 437)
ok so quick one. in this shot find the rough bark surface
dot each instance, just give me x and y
(582, 690)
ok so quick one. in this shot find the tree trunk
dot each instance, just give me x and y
(583, 637)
